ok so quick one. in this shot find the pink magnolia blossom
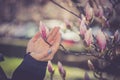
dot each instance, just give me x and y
(95, 9)
(98, 11)
(42, 29)
(101, 39)
(89, 12)
(62, 71)
(88, 37)
(101, 13)
(90, 65)
(116, 35)
(83, 28)
(50, 67)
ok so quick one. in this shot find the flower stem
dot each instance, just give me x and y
(51, 76)
(63, 78)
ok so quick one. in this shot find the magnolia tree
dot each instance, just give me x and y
(103, 46)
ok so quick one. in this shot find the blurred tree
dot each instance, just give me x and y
(7, 10)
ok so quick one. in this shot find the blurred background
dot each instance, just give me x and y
(19, 21)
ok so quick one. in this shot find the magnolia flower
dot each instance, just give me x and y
(116, 35)
(86, 76)
(98, 11)
(101, 39)
(50, 67)
(89, 12)
(88, 37)
(61, 70)
(42, 29)
(101, 13)
(83, 28)
(83, 17)
(90, 65)
(95, 9)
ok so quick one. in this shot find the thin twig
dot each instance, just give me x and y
(47, 42)
(51, 76)
(65, 9)
(65, 51)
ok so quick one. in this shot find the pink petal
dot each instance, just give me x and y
(50, 67)
(88, 12)
(90, 65)
(101, 13)
(83, 28)
(61, 69)
(101, 39)
(116, 35)
(88, 37)
(42, 29)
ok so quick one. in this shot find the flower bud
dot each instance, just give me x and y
(116, 35)
(101, 39)
(50, 67)
(89, 12)
(61, 70)
(88, 37)
(83, 28)
(101, 13)
(90, 65)
(42, 29)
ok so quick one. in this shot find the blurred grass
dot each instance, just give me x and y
(73, 73)
(10, 64)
